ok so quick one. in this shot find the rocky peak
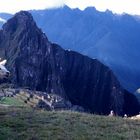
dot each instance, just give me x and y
(21, 25)
(22, 19)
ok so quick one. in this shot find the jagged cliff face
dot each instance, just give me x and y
(37, 63)
(112, 39)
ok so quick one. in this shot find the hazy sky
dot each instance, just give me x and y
(118, 6)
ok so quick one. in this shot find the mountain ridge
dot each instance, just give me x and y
(112, 39)
(41, 65)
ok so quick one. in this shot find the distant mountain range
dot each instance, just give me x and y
(111, 38)
(4, 17)
(38, 64)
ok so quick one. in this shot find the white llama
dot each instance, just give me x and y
(4, 73)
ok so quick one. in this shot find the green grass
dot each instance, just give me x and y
(11, 101)
(27, 124)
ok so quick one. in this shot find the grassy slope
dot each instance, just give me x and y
(11, 101)
(24, 123)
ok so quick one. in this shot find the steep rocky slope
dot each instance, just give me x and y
(111, 38)
(41, 65)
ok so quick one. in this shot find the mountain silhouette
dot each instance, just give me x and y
(37, 63)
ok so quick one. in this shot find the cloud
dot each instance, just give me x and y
(2, 20)
(82, 4)
(119, 6)
(13, 6)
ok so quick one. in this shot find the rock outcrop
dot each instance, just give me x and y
(41, 65)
